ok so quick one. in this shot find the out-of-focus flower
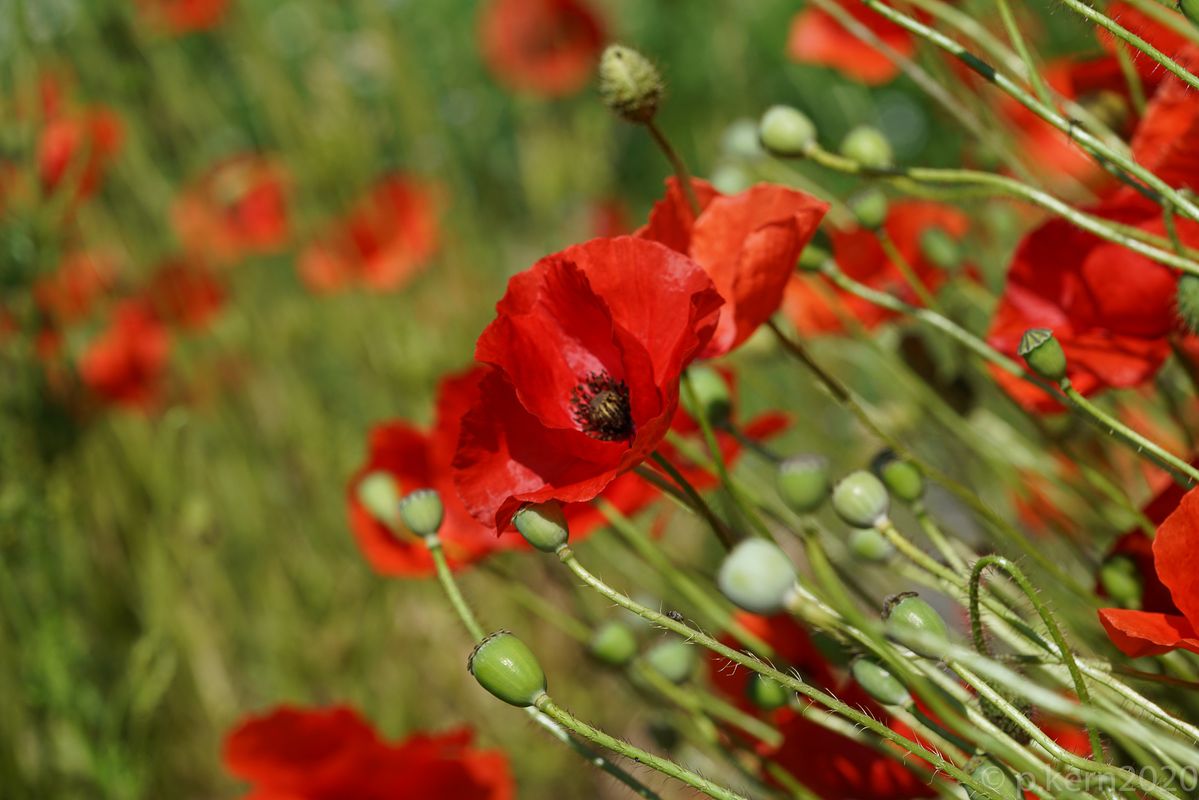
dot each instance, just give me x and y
(818, 38)
(184, 293)
(75, 149)
(293, 753)
(237, 208)
(547, 47)
(125, 365)
(69, 293)
(184, 16)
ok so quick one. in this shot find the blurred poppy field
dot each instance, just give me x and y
(248, 249)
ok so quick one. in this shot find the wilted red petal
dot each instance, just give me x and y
(817, 38)
(548, 47)
(1143, 633)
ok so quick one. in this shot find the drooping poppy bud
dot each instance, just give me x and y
(613, 643)
(1043, 353)
(422, 512)
(911, 621)
(630, 84)
(879, 683)
(380, 495)
(868, 146)
(543, 525)
(869, 207)
(506, 667)
(766, 693)
(786, 131)
(902, 478)
(674, 659)
(860, 499)
(803, 483)
(757, 576)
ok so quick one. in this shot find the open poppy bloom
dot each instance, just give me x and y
(1176, 563)
(74, 150)
(748, 243)
(385, 240)
(547, 47)
(294, 753)
(586, 352)
(237, 208)
(184, 293)
(184, 16)
(125, 365)
(818, 38)
(68, 293)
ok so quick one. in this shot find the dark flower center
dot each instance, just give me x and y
(600, 404)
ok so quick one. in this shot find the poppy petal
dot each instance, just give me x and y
(1142, 633)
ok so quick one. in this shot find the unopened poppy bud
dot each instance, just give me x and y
(803, 483)
(630, 84)
(786, 131)
(1121, 581)
(902, 478)
(869, 207)
(867, 146)
(879, 683)
(860, 499)
(613, 643)
(757, 576)
(543, 525)
(380, 495)
(506, 667)
(996, 778)
(766, 693)
(913, 622)
(422, 512)
(674, 659)
(1043, 353)
(709, 395)
(1188, 302)
(870, 545)
(941, 249)
(740, 139)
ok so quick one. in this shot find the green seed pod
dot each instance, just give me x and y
(709, 395)
(740, 140)
(870, 545)
(543, 525)
(867, 146)
(860, 499)
(911, 621)
(996, 778)
(1188, 299)
(757, 576)
(506, 667)
(803, 483)
(730, 179)
(903, 479)
(674, 659)
(941, 249)
(422, 512)
(766, 693)
(1121, 581)
(786, 131)
(1043, 353)
(630, 84)
(613, 643)
(869, 207)
(380, 495)
(879, 683)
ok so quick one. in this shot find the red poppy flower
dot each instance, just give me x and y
(748, 243)
(77, 149)
(587, 348)
(184, 16)
(237, 208)
(817, 38)
(331, 754)
(548, 47)
(68, 293)
(184, 293)
(814, 306)
(1176, 563)
(125, 365)
(382, 243)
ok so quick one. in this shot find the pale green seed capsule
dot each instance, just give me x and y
(506, 667)
(913, 622)
(709, 396)
(674, 659)
(870, 208)
(941, 249)
(1043, 353)
(757, 576)
(903, 479)
(867, 146)
(786, 131)
(996, 778)
(766, 693)
(879, 683)
(803, 483)
(543, 525)
(379, 493)
(630, 84)
(860, 499)
(422, 512)
(613, 643)
(870, 545)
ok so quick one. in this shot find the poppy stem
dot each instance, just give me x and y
(677, 164)
(452, 592)
(727, 536)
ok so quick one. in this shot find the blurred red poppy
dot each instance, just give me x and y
(237, 208)
(547, 47)
(816, 37)
(68, 294)
(294, 753)
(748, 243)
(184, 16)
(586, 349)
(74, 150)
(814, 306)
(1160, 35)
(385, 240)
(184, 293)
(125, 365)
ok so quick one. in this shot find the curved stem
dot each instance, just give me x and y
(450, 587)
(677, 164)
(1033, 72)
(727, 536)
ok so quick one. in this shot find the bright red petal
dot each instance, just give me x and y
(1176, 555)
(1141, 633)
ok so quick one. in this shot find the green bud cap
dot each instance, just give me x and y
(941, 249)
(879, 683)
(870, 545)
(613, 643)
(709, 395)
(911, 621)
(757, 576)
(630, 84)
(996, 778)
(1188, 302)
(786, 131)
(803, 483)
(766, 693)
(903, 479)
(1121, 581)
(674, 659)
(543, 525)
(870, 208)
(379, 493)
(867, 146)
(1043, 353)
(506, 667)
(422, 512)
(861, 499)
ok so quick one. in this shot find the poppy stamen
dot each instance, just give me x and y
(601, 408)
